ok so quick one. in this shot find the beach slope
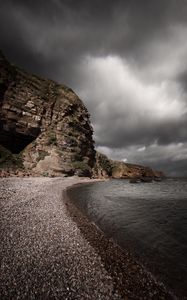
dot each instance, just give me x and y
(45, 253)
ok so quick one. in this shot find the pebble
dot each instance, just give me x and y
(49, 250)
(43, 254)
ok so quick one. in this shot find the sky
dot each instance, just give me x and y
(127, 61)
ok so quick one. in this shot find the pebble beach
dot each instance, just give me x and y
(49, 250)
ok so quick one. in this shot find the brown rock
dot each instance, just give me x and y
(45, 130)
(44, 121)
(105, 168)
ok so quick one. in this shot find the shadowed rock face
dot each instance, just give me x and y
(105, 168)
(46, 121)
(45, 128)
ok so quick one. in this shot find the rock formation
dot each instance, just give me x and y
(106, 168)
(45, 130)
(45, 123)
(102, 167)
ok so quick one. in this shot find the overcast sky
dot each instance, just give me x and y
(127, 60)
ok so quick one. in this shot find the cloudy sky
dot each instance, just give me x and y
(127, 60)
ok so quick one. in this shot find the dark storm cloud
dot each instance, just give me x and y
(93, 27)
(131, 111)
(164, 134)
(126, 59)
(15, 43)
(182, 78)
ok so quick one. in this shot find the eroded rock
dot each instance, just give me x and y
(107, 168)
(44, 121)
(45, 130)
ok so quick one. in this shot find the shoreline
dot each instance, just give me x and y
(42, 251)
(130, 277)
(51, 250)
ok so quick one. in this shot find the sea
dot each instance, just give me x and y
(147, 219)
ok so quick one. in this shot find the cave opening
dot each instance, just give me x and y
(2, 92)
(14, 141)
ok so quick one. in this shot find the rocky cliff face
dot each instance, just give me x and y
(45, 130)
(43, 123)
(106, 168)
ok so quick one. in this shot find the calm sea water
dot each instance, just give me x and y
(148, 219)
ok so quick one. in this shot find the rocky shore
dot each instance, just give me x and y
(49, 250)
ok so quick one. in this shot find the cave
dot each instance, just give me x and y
(15, 141)
(12, 138)
(2, 90)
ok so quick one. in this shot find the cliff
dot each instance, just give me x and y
(43, 125)
(45, 130)
(106, 168)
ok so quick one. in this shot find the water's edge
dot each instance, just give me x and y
(130, 277)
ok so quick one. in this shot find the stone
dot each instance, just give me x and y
(45, 130)
(107, 168)
(38, 116)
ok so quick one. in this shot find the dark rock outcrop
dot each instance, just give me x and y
(105, 168)
(45, 130)
(45, 123)
(102, 167)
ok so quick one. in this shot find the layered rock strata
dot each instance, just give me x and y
(45, 123)
(45, 130)
(107, 168)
